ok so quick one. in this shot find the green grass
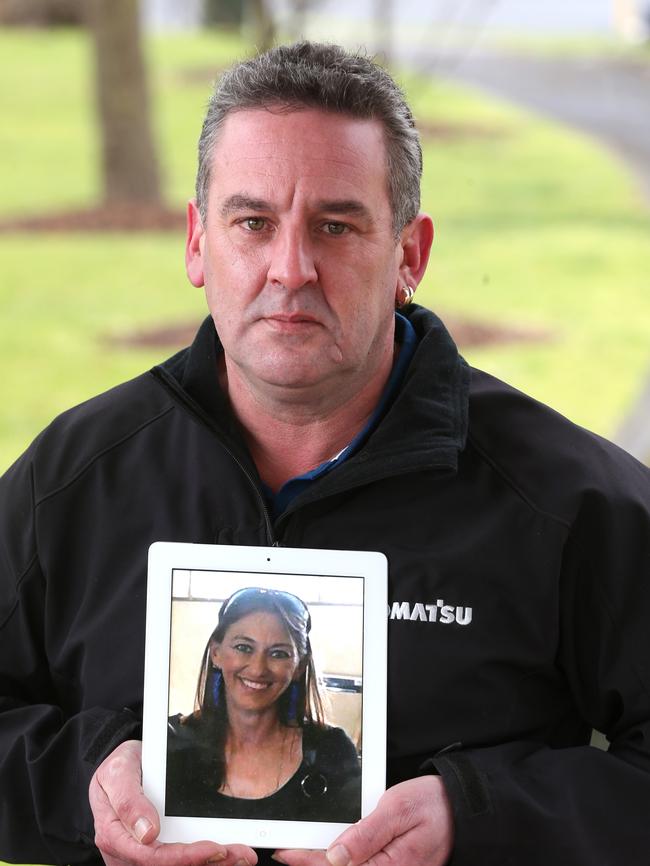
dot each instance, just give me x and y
(57, 322)
(536, 226)
(574, 47)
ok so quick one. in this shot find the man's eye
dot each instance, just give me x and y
(255, 224)
(334, 228)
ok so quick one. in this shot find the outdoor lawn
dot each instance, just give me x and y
(539, 231)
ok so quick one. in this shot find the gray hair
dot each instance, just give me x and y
(316, 75)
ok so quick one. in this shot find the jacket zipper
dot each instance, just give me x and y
(272, 540)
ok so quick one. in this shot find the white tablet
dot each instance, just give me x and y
(265, 692)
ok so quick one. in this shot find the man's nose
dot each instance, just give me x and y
(292, 258)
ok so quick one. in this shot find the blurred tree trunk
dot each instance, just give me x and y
(41, 13)
(263, 25)
(130, 164)
(230, 12)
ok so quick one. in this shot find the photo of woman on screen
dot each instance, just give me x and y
(257, 745)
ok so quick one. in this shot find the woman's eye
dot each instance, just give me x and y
(279, 654)
(255, 224)
(243, 648)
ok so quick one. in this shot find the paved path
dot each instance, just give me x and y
(606, 97)
(609, 98)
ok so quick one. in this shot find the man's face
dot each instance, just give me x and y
(298, 255)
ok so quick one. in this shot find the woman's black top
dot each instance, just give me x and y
(325, 787)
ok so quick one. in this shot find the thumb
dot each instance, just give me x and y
(364, 839)
(120, 779)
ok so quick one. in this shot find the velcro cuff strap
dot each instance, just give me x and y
(471, 782)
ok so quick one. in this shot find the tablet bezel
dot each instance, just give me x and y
(164, 559)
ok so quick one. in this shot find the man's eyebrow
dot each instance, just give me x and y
(351, 207)
(239, 202)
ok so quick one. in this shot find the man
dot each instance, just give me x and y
(307, 413)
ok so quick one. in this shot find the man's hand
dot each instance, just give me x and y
(126, 824)
(412, 824)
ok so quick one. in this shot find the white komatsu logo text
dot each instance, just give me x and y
(438, 612)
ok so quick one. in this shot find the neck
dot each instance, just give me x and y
(260, 757)
(251, 729)
(289, 433)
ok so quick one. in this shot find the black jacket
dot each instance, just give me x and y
(519, 585)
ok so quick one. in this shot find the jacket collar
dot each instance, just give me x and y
(425, 427)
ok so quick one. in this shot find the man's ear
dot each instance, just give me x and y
(416, 239)
(194, 245)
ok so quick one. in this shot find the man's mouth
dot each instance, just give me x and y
(288, 319)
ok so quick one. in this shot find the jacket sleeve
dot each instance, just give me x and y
(48, 748)
(525, 802)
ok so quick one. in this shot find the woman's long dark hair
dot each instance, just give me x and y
(294, 709)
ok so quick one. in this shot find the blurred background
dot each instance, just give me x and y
(535, 122)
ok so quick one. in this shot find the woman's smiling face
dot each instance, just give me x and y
(258, 661)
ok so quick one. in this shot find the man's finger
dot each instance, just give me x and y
(300, 857)
(116, 842)
(197, 854)
(412, 807)
(364, 839)
(120, 778)
(122, 846)
(356, 845)
(127, 824)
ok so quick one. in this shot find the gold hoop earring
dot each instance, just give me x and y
(406, 294)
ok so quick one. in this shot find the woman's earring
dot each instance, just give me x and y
(292, 707)
(216, 686)
(404, 296)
